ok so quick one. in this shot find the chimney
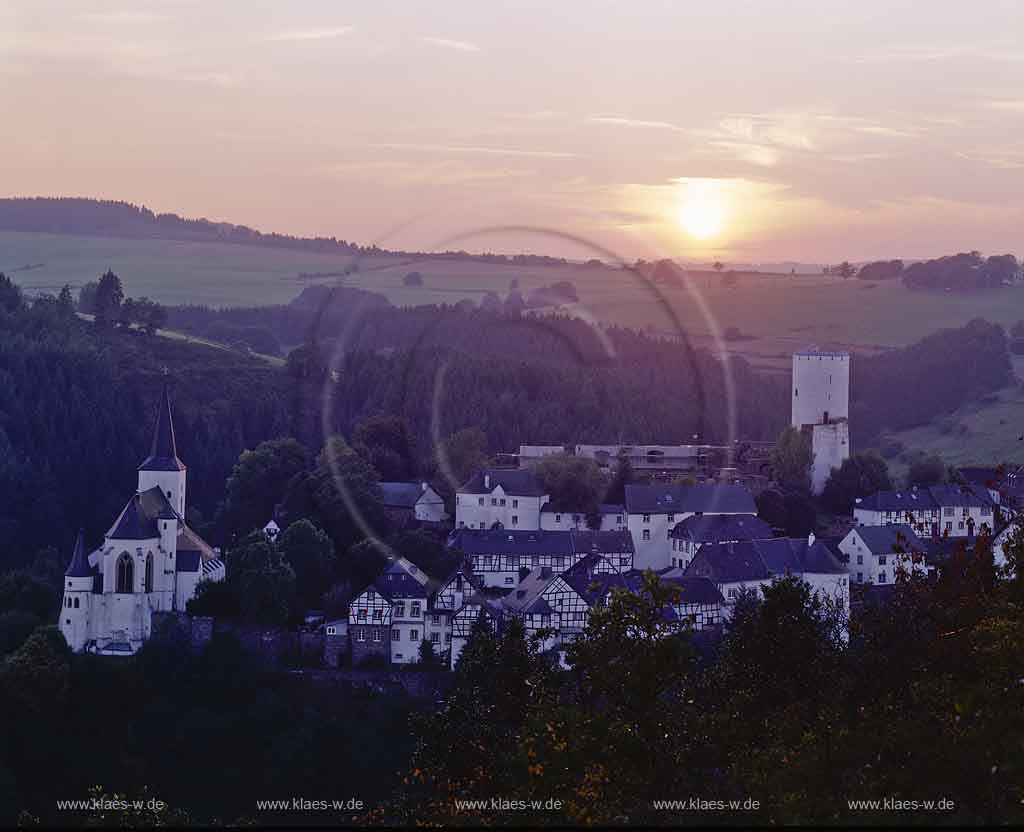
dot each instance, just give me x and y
(423, 486)
(487, 481)
(810, 539)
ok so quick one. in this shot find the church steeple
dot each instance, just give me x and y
(79, 566)
(163, 453)
(162, 468)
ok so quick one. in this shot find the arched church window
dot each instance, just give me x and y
(125, 574)
(76, 603)
(149, 573)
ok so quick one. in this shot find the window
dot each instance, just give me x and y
(396, 634)
(881, 577)
(647, 518)
(948, 511)
(447, 638)
(435, 638)
(376, 633)
(483, 525)
(378, 615)
(515, 504)
(501, 502)
(435, 620)
(515, 519)
(400, 609)
(860, 560)
(361, 615)
(149, 573)
(576, 518)
(559, 562)
(332, 631)
(618, 519)
(480, 501)
(360, 634)
(494, 501)
(414, 635)
(558, 518)
(860, 577)
(986, 511)
(125, 574)
(882, 560)
(398, 657)
(509, 580)
(76, 603)
(671, 518)
(949, 525)
(415, 610)
(624, 560)
(647, 534)
(960, 524)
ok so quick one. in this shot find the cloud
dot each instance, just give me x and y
(538, 115)
(495, 151)
(755, 154)
(621, 121)
(1012, 105)
(123, 16)
(458, 45)
(1002, 159)
(927, 53)
(311, 34)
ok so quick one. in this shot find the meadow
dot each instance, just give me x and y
(774, 313)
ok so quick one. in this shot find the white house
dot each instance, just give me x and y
(506, 497)
(149, 561)
(413, 500)
(498, 557)
(272, 530)
(935, 511)
(875, 554)
(750, 565)
(690, 534)
(654, 510)
(392, 616)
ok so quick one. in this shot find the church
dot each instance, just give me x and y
(150, 560)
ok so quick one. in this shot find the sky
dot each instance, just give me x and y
(743, 132)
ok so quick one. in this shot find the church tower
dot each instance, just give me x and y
(78, 585)
(162, 468)
(821, 408)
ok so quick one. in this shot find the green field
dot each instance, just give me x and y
(780, 312)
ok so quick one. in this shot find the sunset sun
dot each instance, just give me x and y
(702, 209)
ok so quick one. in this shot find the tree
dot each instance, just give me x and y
(386, 442)
(428, 658)
(926, 470)
(261, 582)
(845, 270)
(65, 302)
(107, 303)
(465, 451)
(310, 553)
(858, 476)
(258, 483)
(87, 297)
(574, 483)
(10, 294)
(792, 458)
(413, 279)
(623, 476)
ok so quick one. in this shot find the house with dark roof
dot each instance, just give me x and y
(508, 498)
(499, 557)
(698, 604)
(407, 501)
(749, 565)
(654, 510)
(936, 511)
(875, 554)
(550, 607)
(149, 561)
(688, 535)
(396, 613)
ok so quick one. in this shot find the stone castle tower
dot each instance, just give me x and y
(821, 408)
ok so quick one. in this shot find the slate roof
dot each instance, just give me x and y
(516, 481)
(930, 499)
(613, 541)
(134, 523)
(187, 561)
(881, 540)
(718, 528)
(611, 508)
(189, 541)
(686, 499)
(79, 566)
(592, 586)
(696, 590)
(756, 560)
(401, 494)
(985, 475)
(163, 453)
(402, 579)
(526, 598)
(511, 542)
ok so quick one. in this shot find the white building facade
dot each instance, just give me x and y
(500, 497)
(149, 561)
